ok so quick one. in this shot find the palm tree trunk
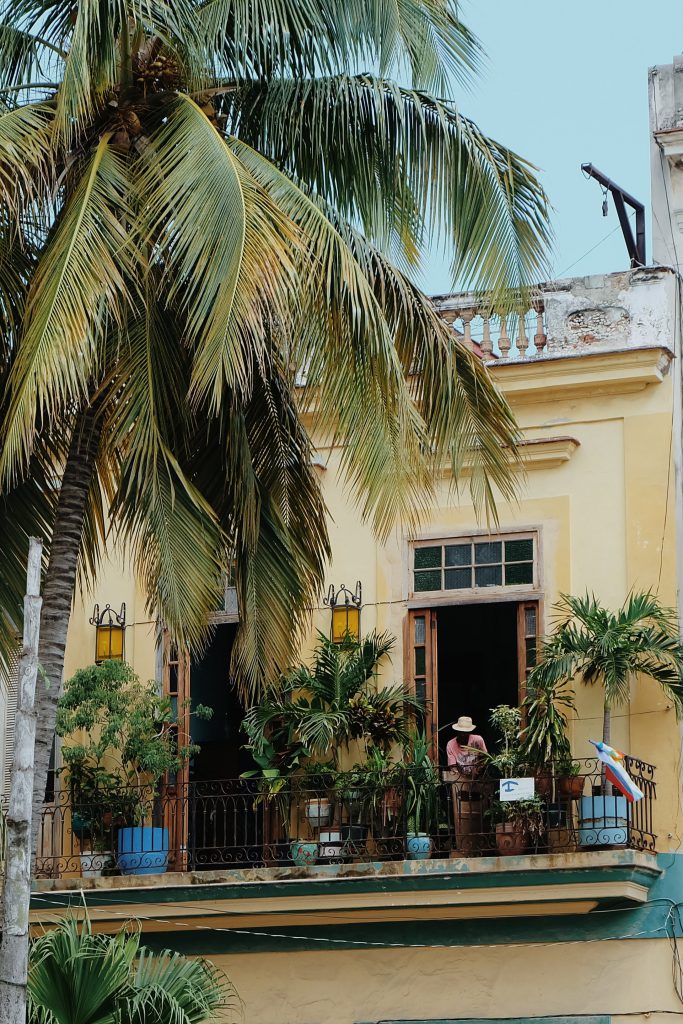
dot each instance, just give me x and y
(58, 591)
(16, 897)
(607, 725)
(606, 738)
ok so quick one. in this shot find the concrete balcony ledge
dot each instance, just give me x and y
(483, 887)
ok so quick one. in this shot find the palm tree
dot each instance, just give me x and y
(612, 648)
(198, 202)
(76, 977)
(335, 700)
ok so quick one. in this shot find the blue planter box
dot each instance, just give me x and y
(143, 850)
(603, 821)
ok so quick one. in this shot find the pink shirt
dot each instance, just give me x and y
(465, 758)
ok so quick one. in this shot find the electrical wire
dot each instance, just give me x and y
(332, 941)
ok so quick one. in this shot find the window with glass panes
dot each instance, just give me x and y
(474, 563)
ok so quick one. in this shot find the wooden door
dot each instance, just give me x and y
(528, 623)
(421, 667)
(176, 788)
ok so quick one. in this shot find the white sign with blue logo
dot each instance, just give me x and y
(517, 789)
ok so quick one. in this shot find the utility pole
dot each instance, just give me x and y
(16, 895)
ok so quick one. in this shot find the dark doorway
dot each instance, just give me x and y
(224, 828)
(477, 665)
(220, 737)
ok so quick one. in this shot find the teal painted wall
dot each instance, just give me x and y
(655, 919)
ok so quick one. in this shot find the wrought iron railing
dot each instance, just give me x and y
(327, 819)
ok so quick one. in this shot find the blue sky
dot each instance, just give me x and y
(566, 82)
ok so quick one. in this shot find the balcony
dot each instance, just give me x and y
(332, 823)
(630, 310)
(227, 855)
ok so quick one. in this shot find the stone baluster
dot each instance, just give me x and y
(522, 340)
(504, 339)
(467, 316)
(540, 338)
(486, 344)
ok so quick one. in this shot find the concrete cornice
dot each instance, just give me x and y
(535, 453)
(487, 887)
(581, 375)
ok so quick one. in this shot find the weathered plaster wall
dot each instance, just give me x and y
(610, 311)
(343, 987)
(116, 583)
(666, 166)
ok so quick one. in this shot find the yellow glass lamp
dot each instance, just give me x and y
(345, 607)
(110, 633)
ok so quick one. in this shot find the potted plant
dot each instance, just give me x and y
(518, 824)
(95, 801)
(422, 788)
(316, 785)
(570, 779)
(543, 740)
(352, 797)
(508, 762)
(609, 649)
(120, 731)
(272, 779)
(326, 707)
(336, 701)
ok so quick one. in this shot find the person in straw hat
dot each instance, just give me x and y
(465, 755)
(466, 747)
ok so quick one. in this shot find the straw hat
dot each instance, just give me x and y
(464, 724)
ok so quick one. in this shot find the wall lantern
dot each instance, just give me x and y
(345, 612)
(110, 633)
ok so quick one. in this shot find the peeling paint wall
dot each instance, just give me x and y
(610, 311)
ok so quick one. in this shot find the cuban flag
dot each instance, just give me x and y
(615, 771)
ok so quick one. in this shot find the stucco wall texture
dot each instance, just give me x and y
(344, 987)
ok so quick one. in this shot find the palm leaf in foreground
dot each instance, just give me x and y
(77, 977)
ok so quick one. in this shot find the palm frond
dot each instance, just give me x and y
(343, 340)
(91, 65)
(25, 58)
(77, 288)
(25, 155)
(254, 466)
(269, 40)
(387, 378)
(223, 244)
(611, 648)
(176, 540)
(395, 160)
(75, 975)
(170, 986)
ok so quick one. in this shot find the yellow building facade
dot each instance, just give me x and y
(483, 937)
(569, 932)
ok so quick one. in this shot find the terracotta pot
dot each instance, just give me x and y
(510, 839)
(544, 783)
(571, 786)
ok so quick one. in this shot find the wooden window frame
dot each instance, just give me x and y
(176, 792)
(472, 595)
